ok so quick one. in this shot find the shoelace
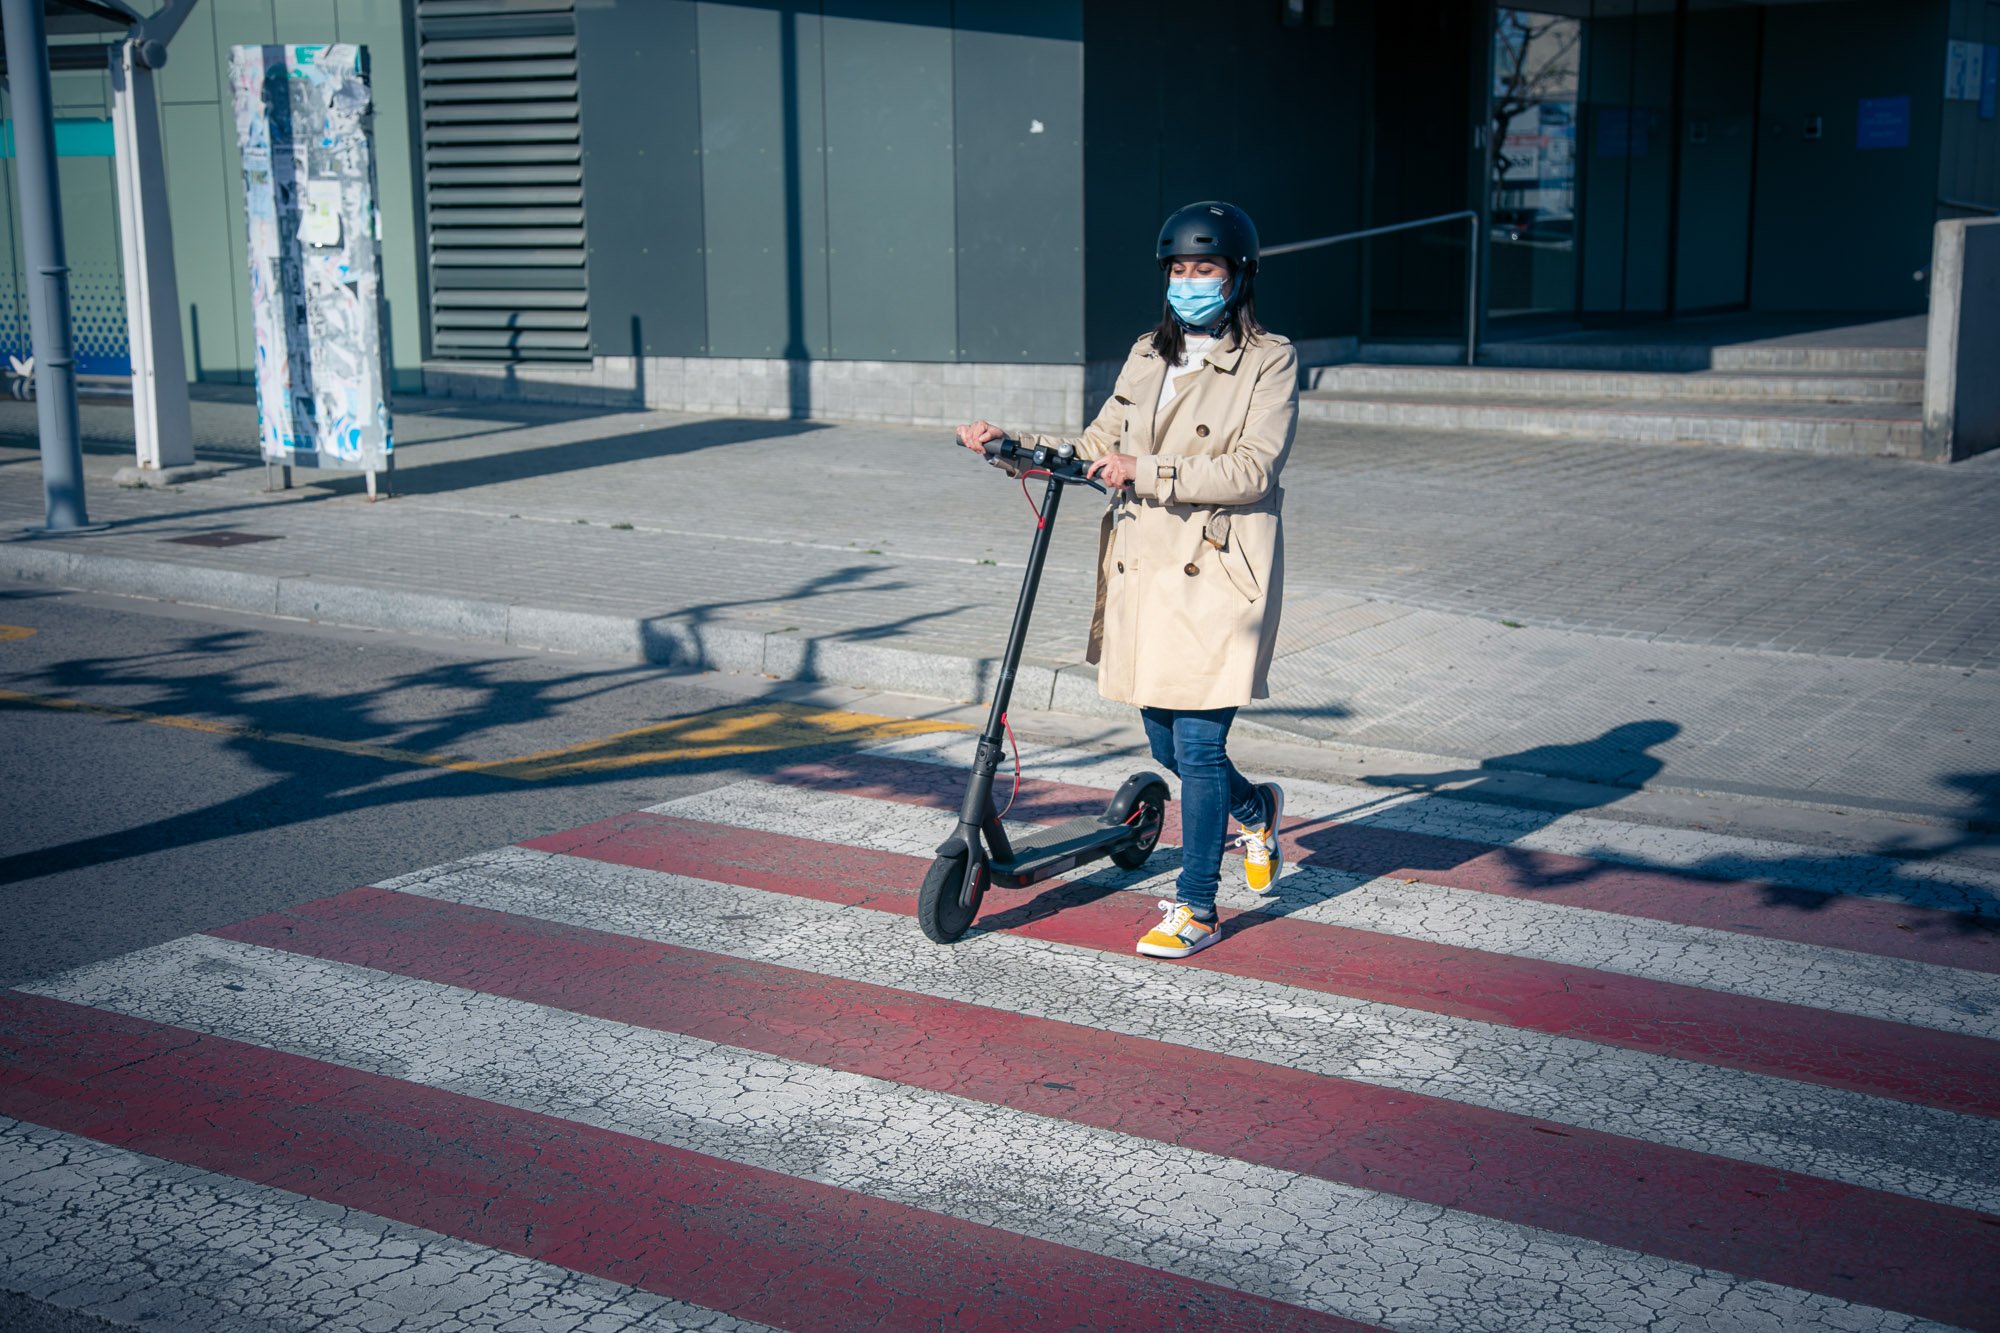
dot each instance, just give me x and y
(1253, 842)
(1178, 916)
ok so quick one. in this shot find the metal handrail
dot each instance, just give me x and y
(1965, 204)
(1468, 216)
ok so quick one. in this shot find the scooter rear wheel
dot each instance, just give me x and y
(1150, 814)
(939, 910)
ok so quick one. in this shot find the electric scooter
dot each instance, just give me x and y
(981, 853)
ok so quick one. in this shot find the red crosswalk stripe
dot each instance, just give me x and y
(751, 1242)
(1763, 910)
(1708, 1195)
(1942, 1069)
(1780, 1226)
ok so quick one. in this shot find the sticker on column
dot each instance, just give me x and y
(319, 220)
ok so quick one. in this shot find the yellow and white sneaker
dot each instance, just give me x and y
(1263, 858)
(1178, 933)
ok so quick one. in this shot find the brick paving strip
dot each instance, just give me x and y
(1806, 628)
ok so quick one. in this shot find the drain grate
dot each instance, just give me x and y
(224, 538)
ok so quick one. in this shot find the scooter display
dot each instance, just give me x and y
(980, 852)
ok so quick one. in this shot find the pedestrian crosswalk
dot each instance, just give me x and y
(694, 1066)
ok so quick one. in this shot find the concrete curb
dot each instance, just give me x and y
(1041, 685)
(662, 641)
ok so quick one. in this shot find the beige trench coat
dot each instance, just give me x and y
(1191, 559)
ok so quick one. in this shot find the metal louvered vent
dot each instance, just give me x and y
(503, 180)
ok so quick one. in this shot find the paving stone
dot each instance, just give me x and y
(1767, 605)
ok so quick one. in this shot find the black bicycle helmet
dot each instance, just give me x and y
(1210, 228)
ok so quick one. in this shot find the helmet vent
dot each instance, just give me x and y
(1206, 240)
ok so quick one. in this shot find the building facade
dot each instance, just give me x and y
(924, 210)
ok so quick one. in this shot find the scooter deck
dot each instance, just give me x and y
(1059, 847)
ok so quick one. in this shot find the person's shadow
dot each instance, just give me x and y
(1407, 838)
(1428, 838)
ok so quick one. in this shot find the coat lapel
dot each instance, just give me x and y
(1146, 390)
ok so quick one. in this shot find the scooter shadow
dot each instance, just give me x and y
(1067, 894)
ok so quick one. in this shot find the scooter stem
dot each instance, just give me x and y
(977, 812)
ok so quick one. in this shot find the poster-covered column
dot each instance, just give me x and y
(305, 125)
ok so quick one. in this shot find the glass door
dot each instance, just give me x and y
(1720, 58)
(1532, 238)
(1623, 151)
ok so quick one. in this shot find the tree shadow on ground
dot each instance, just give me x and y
(1469, 828)
(196, 678)
(1463, 828)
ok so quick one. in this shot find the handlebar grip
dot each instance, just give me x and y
(1059, 464)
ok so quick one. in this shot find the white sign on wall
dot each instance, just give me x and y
(1964, 71)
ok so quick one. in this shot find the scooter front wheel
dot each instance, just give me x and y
(941, 909)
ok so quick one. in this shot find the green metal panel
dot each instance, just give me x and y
(81, 92)
(203, 189)
(763, 180)
(1018, 86)
(641, 113)
(239, 23)
(891, 192)
(302, 21)
(378, 25)
(193, 72)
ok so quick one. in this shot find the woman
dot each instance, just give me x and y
(1190, 556)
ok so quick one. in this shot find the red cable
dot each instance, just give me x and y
(1017, 766)
(1032, 472)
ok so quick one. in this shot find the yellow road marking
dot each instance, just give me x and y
(720, 734)
(724, 733)
(9, 633)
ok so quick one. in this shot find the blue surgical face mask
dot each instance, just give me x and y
(1198, 301)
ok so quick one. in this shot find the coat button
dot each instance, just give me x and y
(1192, 569)
(1121, 566)
(1201, 431)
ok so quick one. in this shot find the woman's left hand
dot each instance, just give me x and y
(1114, 469)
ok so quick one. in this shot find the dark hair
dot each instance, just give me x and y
(1170, 340)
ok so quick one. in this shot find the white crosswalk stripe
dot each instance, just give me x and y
(1945, 885)
(481, 1089)
(1839, 980)
(1305, 1241)
(1915, 1150)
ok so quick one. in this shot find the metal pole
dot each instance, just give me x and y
(161, 425)
(1472, 291)
(42, 246)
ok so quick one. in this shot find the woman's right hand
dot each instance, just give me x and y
(977, 434)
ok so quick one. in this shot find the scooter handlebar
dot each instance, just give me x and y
(1060, 464)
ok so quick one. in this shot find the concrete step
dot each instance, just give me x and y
(1708, 385)
(1866, 429)
(1657, 357)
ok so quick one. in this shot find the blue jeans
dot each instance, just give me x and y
(1192, 746)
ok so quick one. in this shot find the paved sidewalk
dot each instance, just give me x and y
(1809, 628)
